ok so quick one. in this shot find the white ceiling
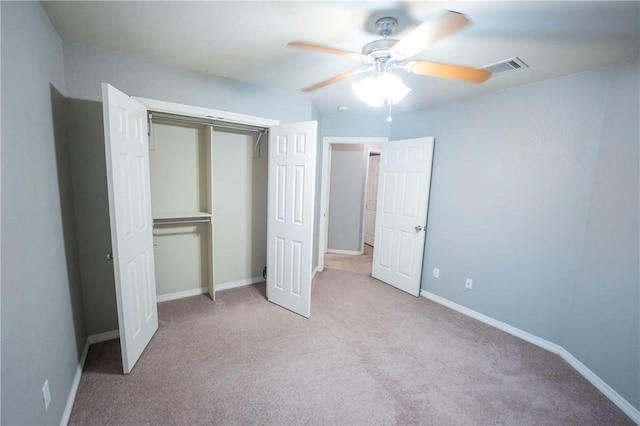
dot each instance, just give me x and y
(247, 41)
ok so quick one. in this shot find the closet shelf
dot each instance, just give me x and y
(180, 215)
(182, 218)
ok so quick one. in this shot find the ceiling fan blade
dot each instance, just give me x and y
(454, 72)
(427, 33)
(332, 80)
(324, 49)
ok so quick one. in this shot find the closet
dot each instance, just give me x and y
(208, 169)
(209, 204)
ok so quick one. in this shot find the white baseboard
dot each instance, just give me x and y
(602, 386)
(349, 252)
(94, 338)
(596, 381)
(531, 338)
(66, 414)
(181, 294)
(103, 337)
(204, 290)
(240, 283)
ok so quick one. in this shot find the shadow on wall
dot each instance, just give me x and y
(88, 170)
(67, 214)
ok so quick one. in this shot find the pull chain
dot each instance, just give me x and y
(389, 119)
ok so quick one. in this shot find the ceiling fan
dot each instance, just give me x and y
(385, 54)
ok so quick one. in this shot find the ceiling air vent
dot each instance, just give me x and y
(507, 65)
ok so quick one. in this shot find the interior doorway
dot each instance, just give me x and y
(367, 159)
(401, 218)
(371, 195)
(345, 193)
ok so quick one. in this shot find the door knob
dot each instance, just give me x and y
(109, 256)
(418, 228)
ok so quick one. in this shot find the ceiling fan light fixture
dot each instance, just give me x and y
(367, 92)
(376, 91)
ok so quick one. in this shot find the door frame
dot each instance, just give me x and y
(201, 112)
(370, 149)
(325, 175)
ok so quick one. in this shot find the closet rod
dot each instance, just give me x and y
(204, 122)
(181, 222)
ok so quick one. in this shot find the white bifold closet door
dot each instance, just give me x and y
(127, 155)
(292, 160)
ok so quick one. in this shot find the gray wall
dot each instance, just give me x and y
(346, 196)
(535, 196)
(42, 326)
(86, 68)
(603, 317)
(346, 124)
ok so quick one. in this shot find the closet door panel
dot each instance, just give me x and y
(127, 160)
(290, 215)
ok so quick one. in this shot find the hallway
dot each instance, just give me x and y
(359, 264)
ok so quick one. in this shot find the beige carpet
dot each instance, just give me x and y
(357, 264)
(369, 355)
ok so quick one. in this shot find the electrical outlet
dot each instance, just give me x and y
(436, 273)
(46, 394)
(469, 283)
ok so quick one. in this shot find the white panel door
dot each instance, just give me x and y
(127, 155)
(371, 202)
(292, 172)
(401, 217)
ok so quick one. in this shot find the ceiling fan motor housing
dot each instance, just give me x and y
(379, 48)
(380, 51)
(381, 54)
(386, 26)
